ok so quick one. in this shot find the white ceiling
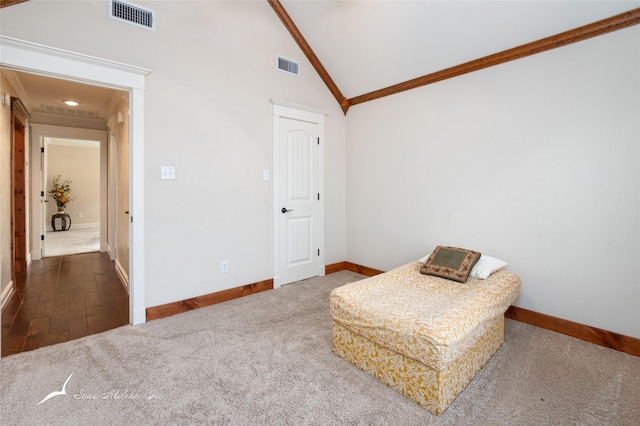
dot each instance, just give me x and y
(369, 45)
(46, 95)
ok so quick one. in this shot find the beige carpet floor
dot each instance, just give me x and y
(266, 359)
(78, 239)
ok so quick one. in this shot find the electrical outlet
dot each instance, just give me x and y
(167, 172)
(79, 215)
(224, 266)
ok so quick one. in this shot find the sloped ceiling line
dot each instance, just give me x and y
(311, 56)
(5, 3)
(595, 29)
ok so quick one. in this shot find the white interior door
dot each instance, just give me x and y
(44, 194)
(298, 206)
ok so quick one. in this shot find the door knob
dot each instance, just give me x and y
(284, 210)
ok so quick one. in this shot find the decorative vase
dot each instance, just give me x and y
(61, 208)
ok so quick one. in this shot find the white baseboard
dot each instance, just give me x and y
(77, 225)
(7, 294)
(85, 225)
(109, 252)
(36, 254)
(139, 316)
(124, 279)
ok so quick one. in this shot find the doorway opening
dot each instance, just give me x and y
(23, 56)
(71, 174)
(64, 294)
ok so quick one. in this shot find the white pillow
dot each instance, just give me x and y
(424, 259)
(486, 266)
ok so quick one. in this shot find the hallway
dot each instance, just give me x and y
(63, 298)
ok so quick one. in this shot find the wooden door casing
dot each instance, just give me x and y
(18, 188)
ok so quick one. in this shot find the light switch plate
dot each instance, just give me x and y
(266, 175)
(167, 172)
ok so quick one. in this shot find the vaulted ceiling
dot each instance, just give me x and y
(369, 45)
(366, 49)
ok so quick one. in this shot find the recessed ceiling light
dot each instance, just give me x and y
(71, 103)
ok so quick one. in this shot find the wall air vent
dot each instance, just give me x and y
(132, 14)
(288, 66)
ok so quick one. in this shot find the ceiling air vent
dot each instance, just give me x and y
(69, 111)
(132, 14)
(288, 66)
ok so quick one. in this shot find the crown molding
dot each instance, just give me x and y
(20, 91)
(39, 117)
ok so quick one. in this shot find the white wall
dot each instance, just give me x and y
(81, 165)
(534, 161)
(208, 113)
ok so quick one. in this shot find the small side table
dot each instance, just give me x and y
(64, 217)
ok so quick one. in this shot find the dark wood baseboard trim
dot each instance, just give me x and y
(335, 267)
(348, 266)
(619, 342)
(181, 306)
(608, 339)
(364, 270)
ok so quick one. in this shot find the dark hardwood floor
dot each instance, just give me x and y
(63, 298)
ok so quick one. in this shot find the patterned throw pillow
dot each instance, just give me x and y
(451, 262)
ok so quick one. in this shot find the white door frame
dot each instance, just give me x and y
(282, 109)
(111, 246)
(20, 55)
(39, 133)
